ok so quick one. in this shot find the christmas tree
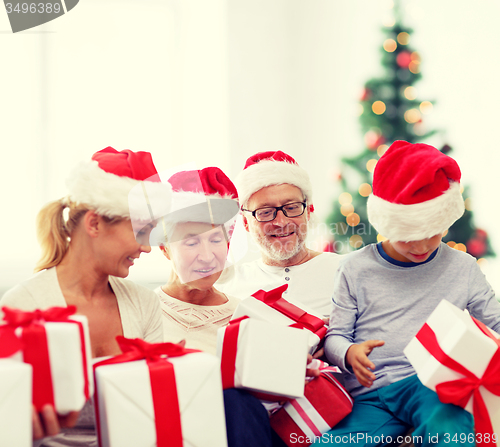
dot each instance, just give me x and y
(390, 110)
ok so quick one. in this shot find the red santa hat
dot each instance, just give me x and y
(120, 184)
(416, 193)
(206, 195)
(271, 168)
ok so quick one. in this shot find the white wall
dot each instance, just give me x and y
(214, 81)
(149, 75)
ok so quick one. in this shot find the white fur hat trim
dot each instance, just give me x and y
(404, 223)
(268, 173)
(115, 196)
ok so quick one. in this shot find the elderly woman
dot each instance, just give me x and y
(194, 236)
(89, 241)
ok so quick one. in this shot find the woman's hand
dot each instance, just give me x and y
(48, 423)
(357, 357)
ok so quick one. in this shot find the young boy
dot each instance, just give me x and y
(385, 292)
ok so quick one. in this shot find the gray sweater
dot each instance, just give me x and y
(376, 299)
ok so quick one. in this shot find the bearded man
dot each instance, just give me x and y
(276, 202)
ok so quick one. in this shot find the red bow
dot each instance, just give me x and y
(138, 349)
(17, 318)
(163, 385)
(460, 391)
(303, 320)
(10, 343)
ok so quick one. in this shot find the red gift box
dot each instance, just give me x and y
(325, 403)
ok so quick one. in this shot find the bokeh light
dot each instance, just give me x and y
(403, 38)
(426, 107)
(390, 45)
(412, 116)
(389, 21)
(370, 165)
(410, 93)
(353, 219)
(345, 198)
(381, 149)
(365, 189)
(378, 107)
(356, 241)
(347, 209)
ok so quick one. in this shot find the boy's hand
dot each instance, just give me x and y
(357, 357)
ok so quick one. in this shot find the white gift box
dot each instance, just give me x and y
(462, 340)
(269, 359)
(125, 401)
(57, 345)
(15, 404)
(69, 369)
(254, 308)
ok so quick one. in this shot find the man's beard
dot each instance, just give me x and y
(276, 250)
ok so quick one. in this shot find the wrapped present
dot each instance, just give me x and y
(56, 344)
(159, 395)
(273, 308)
(325, 403)
(15, 404)
(262, 357)
(459, 358)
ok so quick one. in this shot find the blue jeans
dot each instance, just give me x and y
(383, 416)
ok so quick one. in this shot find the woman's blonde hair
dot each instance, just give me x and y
(54, 231)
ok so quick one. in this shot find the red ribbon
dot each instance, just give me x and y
(229, 351)
(460, 391)
(33, 343)
(303, 320)
(163, 385)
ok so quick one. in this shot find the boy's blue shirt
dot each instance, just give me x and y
(377, 298)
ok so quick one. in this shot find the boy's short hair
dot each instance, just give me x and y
(416, 192)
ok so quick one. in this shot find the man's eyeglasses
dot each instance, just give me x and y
(294, 209)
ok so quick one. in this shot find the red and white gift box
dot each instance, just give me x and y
(325, 403)
(56, 344)
(15, 404)
(459, 358)
(159, 395)
(272, 307)
(265, 358)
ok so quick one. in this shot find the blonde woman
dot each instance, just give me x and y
(89, 240)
